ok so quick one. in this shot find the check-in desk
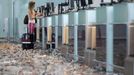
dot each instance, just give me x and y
(123, 14)
(63, 30)
(86, 22)
(104, 17)
(81, 29)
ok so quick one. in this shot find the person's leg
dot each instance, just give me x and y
(32, 32)
(28, 29)
(32, 28)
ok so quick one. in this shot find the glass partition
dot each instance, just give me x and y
(40, 34)
(53, 38)
(66, 41)
(81, 42)
(71, 41)
(60, 38)
(99, 64)
(130, 51)
(119, 47)
(45, 37)
(101, 42)
(120, 44)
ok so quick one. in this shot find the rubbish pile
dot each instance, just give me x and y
(15, 61)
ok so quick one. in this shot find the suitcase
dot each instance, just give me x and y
(27, 41)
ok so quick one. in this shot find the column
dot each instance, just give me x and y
(43, 37)
(75, 43)
(56, 37)
(109, 48)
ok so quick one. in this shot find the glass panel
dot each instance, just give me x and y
(120, 44)
(53, 38)
(130, 40)
(40, 34)
(100, 64)
(81, 42)
(71, 41)
(45, 38)
(60, 38)
(101, 43)
(53, 33)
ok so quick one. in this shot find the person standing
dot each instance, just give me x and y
(32, 17)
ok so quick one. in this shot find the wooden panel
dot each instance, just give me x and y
(65, 39)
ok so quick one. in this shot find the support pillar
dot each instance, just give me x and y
(76, 43)
(56, 37)
(43, 38)
(109, 48)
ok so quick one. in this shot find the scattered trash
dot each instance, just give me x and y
(15, 61)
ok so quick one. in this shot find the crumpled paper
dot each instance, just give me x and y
(15, 61)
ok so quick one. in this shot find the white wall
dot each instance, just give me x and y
(5, 12)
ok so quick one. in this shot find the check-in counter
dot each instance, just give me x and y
(123, 14)
(87, 21)
(104, 20)
(63, 31)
